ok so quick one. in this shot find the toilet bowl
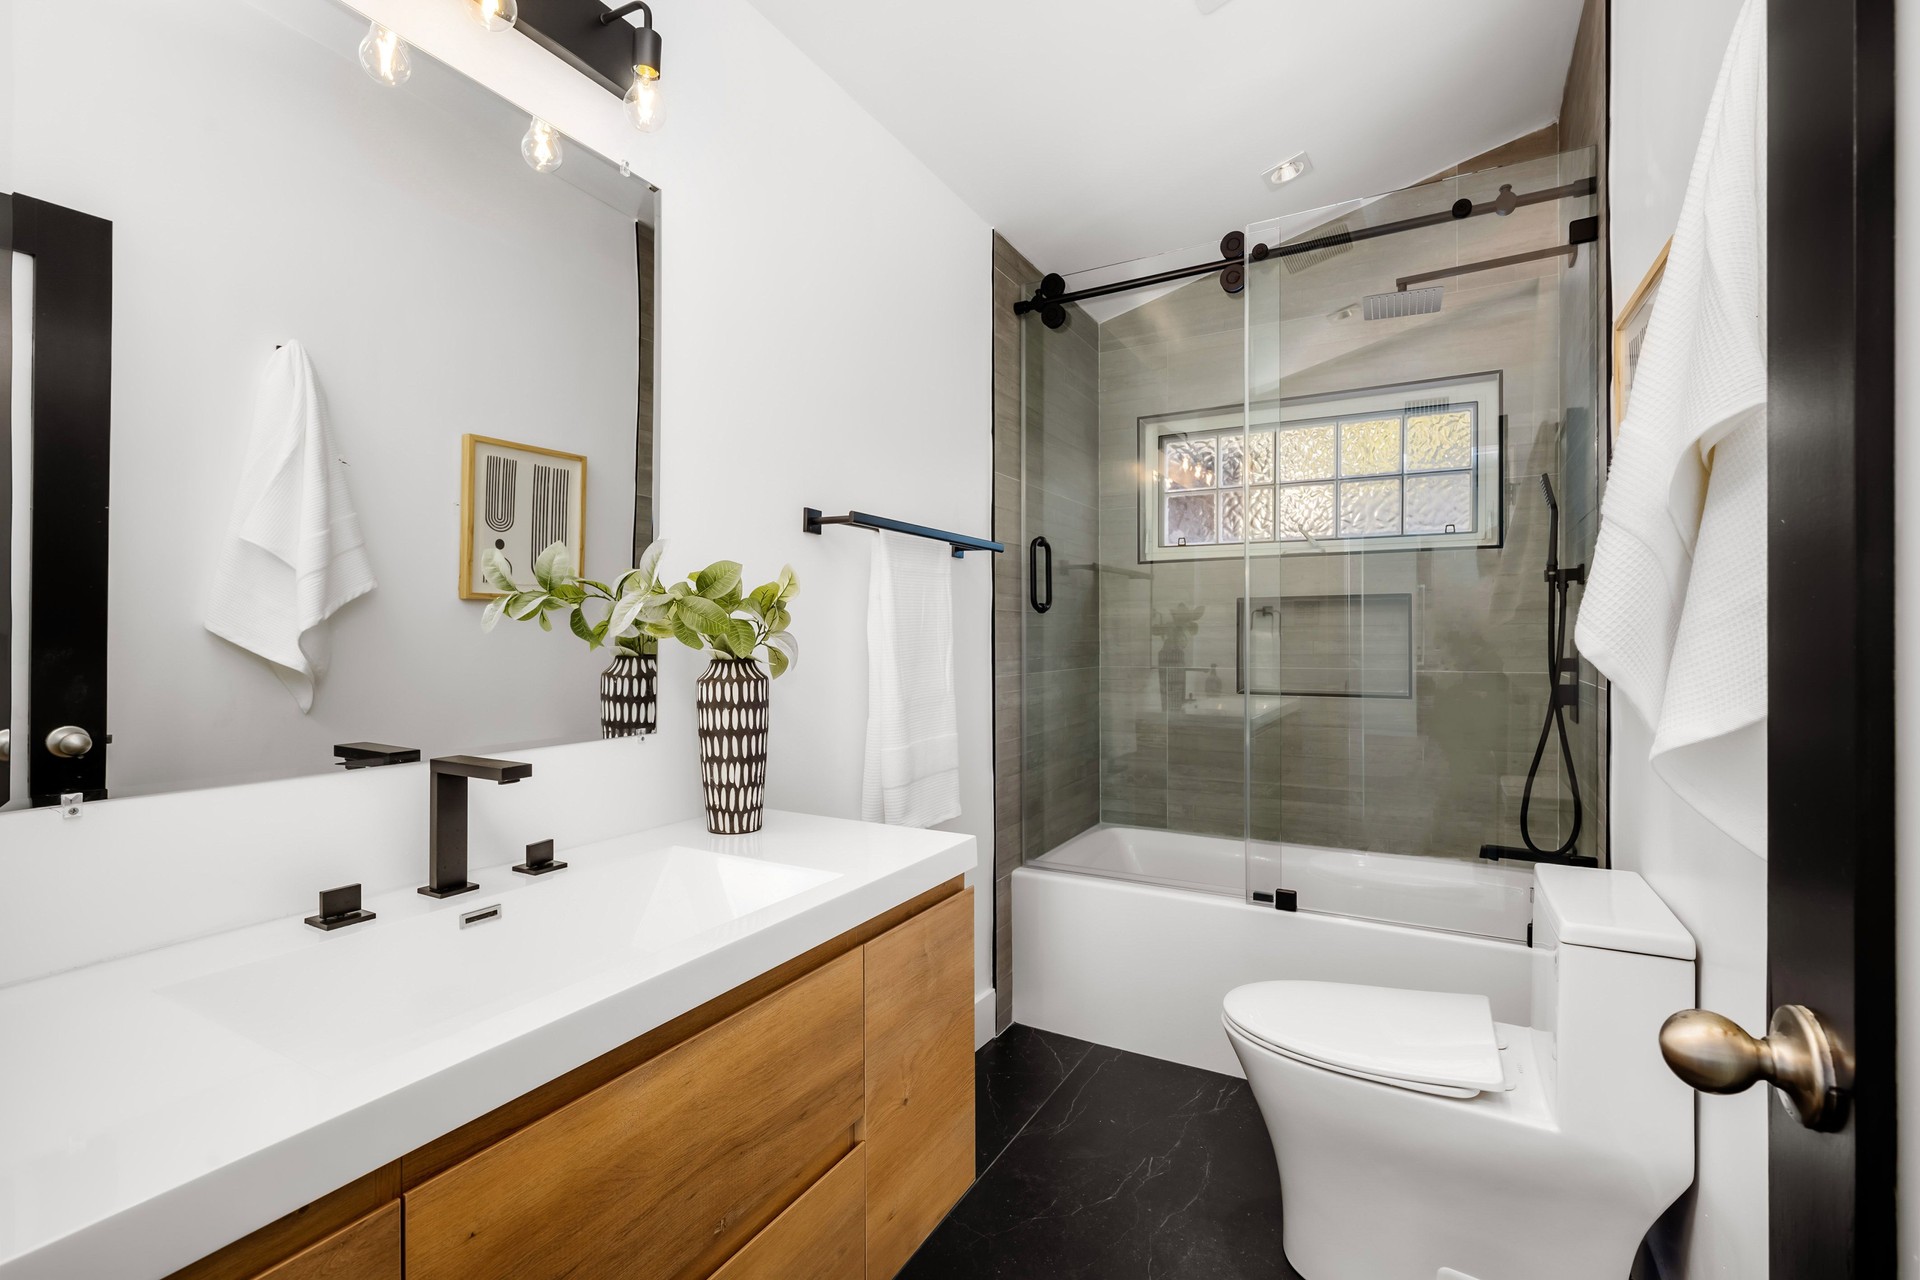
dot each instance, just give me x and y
(1417, 1137)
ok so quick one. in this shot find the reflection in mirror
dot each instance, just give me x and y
(324, 282)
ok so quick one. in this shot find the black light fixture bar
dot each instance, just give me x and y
(576, 32)
(814, 522)
(1052, 291)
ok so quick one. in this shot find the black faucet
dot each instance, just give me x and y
(447, 817)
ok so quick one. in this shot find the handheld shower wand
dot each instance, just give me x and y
(1561, 695)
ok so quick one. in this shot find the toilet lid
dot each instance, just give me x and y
(1421, 1037)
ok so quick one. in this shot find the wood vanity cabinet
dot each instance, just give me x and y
(815, 1123)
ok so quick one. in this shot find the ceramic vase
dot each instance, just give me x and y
(627, 704)
(731, 704)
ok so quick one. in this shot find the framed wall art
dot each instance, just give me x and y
(518, 499)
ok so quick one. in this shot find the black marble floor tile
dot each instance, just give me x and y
(1135, 1169)
(1014, 1075)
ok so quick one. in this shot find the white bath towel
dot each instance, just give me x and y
(1676, 611)
(913, 735)
(293, 553)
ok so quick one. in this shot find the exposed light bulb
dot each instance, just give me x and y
(384, 56)
(646, 108)
(495, 15)
(541, 146)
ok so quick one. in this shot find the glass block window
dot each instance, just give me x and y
(1398, 466)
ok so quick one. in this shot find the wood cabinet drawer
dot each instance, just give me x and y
(668, 1170)
(822, 1236)
(365, 1250)
(919, 1135)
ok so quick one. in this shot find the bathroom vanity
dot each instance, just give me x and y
(685, 1056)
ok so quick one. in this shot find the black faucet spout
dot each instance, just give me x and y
(447, 817)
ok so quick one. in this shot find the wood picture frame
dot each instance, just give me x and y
(1630, 330)
(522, 494)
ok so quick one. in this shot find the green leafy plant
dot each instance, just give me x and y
(706, 610)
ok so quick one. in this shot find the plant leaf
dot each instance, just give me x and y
(497, 572)
(680, 590)
(525, 604)
(553, 566)
(495, 607)
(687, 636)
(582, 628)
(702, 615)
(789, 583)
(546, 623)
(717, 579)
(624, 612)
(784, 644)
(777, 662)
(655, 608)
(649, 566)
(740, 637)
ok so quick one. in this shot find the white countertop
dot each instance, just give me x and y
(154, 1108)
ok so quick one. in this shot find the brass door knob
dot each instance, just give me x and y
(70, 741)
(1800, 1057)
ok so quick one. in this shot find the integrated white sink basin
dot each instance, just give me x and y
(156, 1106)
(375, 987)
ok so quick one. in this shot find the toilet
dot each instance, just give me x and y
(1420, 1139)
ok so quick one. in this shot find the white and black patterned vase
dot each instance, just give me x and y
(731, 699)
(627, 695)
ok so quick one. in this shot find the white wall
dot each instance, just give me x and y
(266, 190)
(1665, 59)
(824, 340)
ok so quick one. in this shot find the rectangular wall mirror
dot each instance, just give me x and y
(227, 180)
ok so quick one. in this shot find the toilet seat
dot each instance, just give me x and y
(1432, 1042)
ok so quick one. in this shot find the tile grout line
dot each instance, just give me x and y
(1015, 1135)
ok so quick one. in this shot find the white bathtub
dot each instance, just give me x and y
(1492, 899)
(1106, 951)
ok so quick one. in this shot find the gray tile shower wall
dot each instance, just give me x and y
(1046, 666)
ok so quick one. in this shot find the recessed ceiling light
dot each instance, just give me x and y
(1287, 170)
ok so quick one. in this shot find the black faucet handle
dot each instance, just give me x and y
(539, 860)
(339, 908)
(482, 767)
(371, 755)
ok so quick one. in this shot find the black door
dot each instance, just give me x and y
(1830, 915)
(72, 343)
(1830, 545)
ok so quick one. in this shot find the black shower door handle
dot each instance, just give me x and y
(1034, 549)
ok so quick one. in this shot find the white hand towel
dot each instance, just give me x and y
(1676, 611)
(293, 554)
(913, 735)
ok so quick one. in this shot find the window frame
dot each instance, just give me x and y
(1483, 393)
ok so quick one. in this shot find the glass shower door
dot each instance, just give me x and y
(1133, 731)
(1416, 364)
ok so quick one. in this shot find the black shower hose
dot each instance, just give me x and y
(1557, 591)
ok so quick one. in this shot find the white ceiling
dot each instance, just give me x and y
(1091, 132)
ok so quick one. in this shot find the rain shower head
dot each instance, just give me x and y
(1402, 302)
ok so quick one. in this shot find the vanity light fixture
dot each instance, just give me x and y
(384, 56)
(494, 15)
(1289, 169)
(646, 108)
(541, 147)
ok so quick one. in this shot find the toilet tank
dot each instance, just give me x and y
(1611, 963)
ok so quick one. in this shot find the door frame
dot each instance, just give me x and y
(1830, 627)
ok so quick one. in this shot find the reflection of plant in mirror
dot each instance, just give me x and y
(1175, 627)
(706, 611)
